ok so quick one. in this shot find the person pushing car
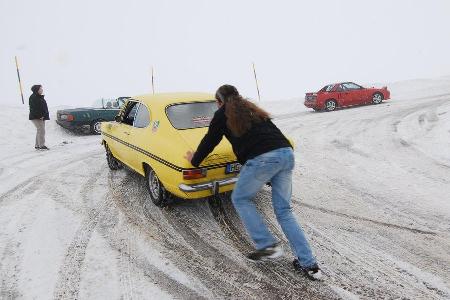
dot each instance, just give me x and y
(266, 156)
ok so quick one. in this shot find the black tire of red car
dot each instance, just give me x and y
(96, 126)
(330, 105)
(377, 98)
(155, 188)
(113, 163)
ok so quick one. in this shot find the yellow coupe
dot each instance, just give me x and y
(151, 136)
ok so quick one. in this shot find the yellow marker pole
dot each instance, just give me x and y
(153, 82)
(256, 80)
(20, 82)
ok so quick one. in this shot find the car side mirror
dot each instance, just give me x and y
(118, 119)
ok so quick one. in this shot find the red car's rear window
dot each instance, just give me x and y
(327, 88)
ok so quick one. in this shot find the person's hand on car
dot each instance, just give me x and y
(189, 155)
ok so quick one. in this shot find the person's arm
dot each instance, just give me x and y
(211, 139)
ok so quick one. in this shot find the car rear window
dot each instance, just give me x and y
(191, 115)
(327, 88)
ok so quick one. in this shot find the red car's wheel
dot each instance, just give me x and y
(377, 98)
(330, 105)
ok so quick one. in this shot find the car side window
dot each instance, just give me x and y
(340, 88)
(142, 118)
(130, 113)
(352, 86)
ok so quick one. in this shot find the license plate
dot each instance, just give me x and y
(233, 168)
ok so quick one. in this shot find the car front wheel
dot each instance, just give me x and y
(330, 105)
(377, 98)
(96, 127)
(155, 188)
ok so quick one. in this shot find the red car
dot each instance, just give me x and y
(345, 94)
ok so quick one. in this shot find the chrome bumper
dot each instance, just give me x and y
(212, 185)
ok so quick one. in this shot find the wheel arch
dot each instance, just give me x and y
(332, 99)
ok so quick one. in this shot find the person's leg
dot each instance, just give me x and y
(281, 199)
(43, 133)
(36, 124)
(242, 197)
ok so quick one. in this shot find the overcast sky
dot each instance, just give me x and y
(85, 49)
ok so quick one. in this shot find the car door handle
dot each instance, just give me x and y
(127, 133)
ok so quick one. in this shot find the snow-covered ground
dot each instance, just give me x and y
(371, 188)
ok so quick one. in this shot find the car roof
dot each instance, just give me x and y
(164, 99)
(342, 82)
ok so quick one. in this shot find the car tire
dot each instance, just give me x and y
(113, 163)
(155, 188)
(95, 127)
(316, 109)
(330, 105)
(377, 98)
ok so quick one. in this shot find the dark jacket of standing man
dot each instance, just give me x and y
(38, 105)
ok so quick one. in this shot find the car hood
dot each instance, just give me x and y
(222, 153)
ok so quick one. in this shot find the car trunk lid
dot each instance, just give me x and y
(221, 154)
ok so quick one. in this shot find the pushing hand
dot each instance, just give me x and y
(189, 155)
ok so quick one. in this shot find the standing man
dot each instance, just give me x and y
(38, 115)
(266, 156)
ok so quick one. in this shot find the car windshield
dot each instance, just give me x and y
(109, 103)
(191, 115)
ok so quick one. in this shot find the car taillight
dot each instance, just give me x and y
(194, 174)
(67, 117)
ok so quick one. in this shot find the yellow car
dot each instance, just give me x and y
(151, 136)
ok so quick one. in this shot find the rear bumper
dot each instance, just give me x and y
(311, 104)
(70, 124)
(212, 186)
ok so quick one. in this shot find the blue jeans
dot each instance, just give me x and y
(276, 167)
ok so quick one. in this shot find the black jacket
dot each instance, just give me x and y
(261, 138)
(38, 107)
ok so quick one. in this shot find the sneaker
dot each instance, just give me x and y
(270, 252)
(313, 272)
(44, 148)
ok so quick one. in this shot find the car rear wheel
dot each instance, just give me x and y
(113, 163)
(155, 188)
(96, 127)
(330, 105)
(377, 98)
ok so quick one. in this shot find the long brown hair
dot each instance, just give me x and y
(241, 113)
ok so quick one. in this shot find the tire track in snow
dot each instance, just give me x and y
(366, 271)
(289, 281)
(181, 228)
(357, 218)
(11, 243)
(136, 216)
(35, 180)
(9, 269)
(69, 277)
